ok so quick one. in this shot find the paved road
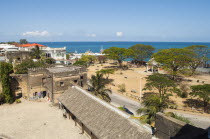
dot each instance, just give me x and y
(118, 100)
(197, 120)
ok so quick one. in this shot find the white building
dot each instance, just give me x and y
(7, 47)
(59, 54)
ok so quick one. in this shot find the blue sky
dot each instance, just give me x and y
(105, 20)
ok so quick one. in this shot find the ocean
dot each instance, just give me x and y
(82, 47)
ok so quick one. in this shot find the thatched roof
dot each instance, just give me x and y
(104, 120)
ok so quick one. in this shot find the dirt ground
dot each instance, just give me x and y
(134, 80)
(36, 120)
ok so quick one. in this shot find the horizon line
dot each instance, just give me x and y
(131, 41)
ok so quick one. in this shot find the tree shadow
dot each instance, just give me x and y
(14, 87)
(108, 81)
(196, 103)
(19, 95)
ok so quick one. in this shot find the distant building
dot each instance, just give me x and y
(28, 47)
(53, 81)
(7, 47)
(59, 54)
(17, 56)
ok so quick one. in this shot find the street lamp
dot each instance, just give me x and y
(141, 88)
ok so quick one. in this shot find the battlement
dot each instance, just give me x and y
(58, 70)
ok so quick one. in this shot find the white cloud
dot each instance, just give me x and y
(91, 35)
(119, 34)
(36, 33)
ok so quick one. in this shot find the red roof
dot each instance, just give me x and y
(32, 45)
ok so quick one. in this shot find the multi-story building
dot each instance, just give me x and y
(51, 82)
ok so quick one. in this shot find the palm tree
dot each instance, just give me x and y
(153, 103)
(35, 52)
(98, 87)
(106, 72)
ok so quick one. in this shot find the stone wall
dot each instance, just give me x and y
(19, 84)
(17, 56)
(169, 128)
(36, 77)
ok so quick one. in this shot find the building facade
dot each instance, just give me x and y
(59, 54)
(53, 81)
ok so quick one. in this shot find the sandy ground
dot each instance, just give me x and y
(36, 120)
(134, 79)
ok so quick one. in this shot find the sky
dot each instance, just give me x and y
(105, 20)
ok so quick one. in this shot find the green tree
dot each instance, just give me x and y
(49, 61)
(118, 54)
(142, 52)
(23, 67)
(5, 70)
(174, 59)
(67, 56)
(98, 84)
(102, 59)
(81, 63)
(161, 83)
(199, 56)
(36, 53)
(106, 72)
(90, 59)
(23, 41)
(153, 103)
(203, 92)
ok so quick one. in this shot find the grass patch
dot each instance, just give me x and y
(181, 118)
(121, 108)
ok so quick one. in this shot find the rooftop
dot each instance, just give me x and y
(103, 119)
(32, 45)
(62, 69)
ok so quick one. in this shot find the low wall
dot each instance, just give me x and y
(170, 128)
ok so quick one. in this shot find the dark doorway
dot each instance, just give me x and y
(44, 94)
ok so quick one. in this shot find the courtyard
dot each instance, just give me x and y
(36, 120)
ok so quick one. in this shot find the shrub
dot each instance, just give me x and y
(18, 101)
(122, 88)
(170, 114)
(181, 118)
(172, 106)
(121, 108)
(50, 61)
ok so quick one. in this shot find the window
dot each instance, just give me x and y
(61, 83)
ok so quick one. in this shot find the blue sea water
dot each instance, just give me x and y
(82, 47)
